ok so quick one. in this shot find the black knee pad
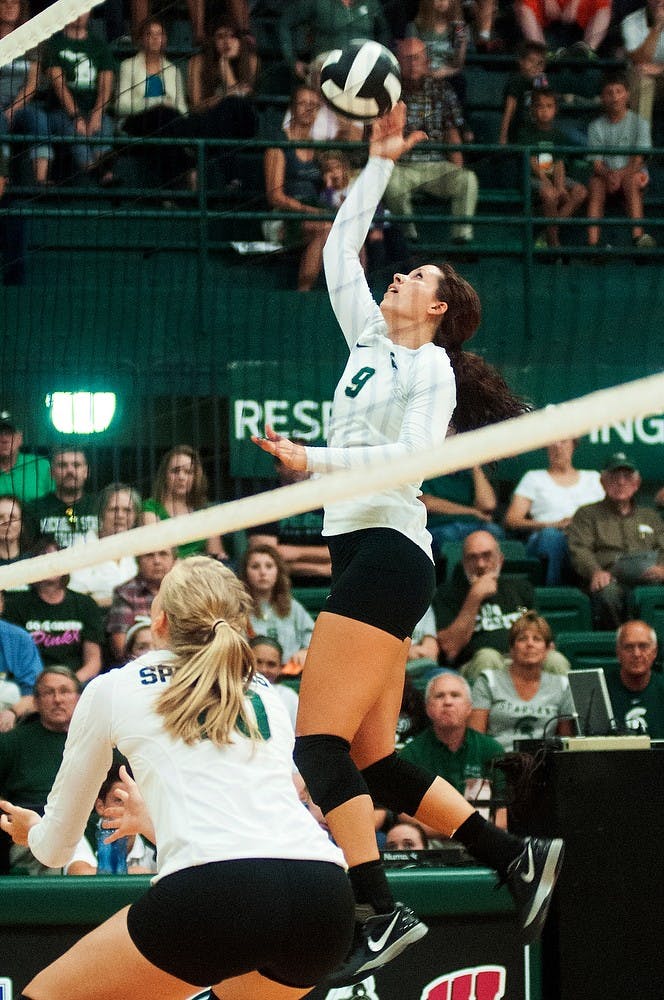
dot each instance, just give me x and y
(329, 773)
(397, 784)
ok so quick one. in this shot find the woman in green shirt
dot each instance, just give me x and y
(180, 487)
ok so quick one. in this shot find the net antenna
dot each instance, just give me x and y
(42, 26)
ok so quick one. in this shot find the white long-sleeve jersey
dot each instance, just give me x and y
(391, 401)
(207, 803)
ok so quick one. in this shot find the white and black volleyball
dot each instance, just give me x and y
(362, 80)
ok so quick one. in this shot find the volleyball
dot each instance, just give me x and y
(362, 80)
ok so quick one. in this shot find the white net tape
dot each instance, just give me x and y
(512, 437)
(42, 26)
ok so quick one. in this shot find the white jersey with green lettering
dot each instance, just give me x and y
(207, 803)
(391, 401)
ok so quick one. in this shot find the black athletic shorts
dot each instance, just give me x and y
(290, 920)
(380, 577)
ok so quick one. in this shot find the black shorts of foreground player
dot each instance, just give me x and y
(251, 895)
(406, 380)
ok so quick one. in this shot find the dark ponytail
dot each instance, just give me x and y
(483, 396)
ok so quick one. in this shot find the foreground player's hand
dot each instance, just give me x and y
(292, 455)
(129, 818)
(387, 138)
(17, 822)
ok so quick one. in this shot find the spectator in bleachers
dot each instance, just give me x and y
(30, 754)
(476, 609)
(559, 194)
(448, 746)
(18, 77)
(181, 487)
(432, 107)
(14, 543)
(80, 69)
(151, 97)
(544, 502)
(65, 626)
(406, 836)
(332, 24)
(141, 857)
(423, 643)
(227, 66)
(519, 89)
(134, 598)
(617, 175)
(440, 25)
(589, 18)
(412, 714)
(616, 544)
(293, 183)
(457, 504)
(20, 665)
(275, 612)
(68, 512)
(643, 37)
(636, 693)
(22, 475)
(269, 655)
(119, 510)
(298, 539)
(524, 700)
(138, 639)
(338, 178)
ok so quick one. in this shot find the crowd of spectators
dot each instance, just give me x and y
(80, 84)
(487, 657)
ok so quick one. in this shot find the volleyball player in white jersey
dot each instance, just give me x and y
(407, 377)
(251, 894)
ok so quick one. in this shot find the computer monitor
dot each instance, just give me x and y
(592, 704)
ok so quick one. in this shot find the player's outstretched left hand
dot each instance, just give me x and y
(17, 822)
(387, 138)
(292, 455)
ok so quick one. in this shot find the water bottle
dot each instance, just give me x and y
(111, 858)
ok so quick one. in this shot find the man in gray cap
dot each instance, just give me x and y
(23, 476)
(616, 544)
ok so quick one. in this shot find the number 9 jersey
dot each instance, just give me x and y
(391, 400)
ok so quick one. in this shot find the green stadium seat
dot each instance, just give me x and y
(313, 598)
(648, 604)
(585, 650)
(567, 609)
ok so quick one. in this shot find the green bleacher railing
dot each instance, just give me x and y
(210, 204)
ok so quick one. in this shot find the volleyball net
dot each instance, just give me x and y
(532, 430)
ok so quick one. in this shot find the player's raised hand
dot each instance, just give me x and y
(292, 455)
(387, 138)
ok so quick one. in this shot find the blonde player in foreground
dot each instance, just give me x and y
(406, 379)
(250, 895)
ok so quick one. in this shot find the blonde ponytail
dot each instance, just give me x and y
(207, 607)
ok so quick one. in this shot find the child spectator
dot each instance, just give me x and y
(276, 614)
(519, 89)
(615, 174)
(338, 179)
(560, 196)
(141, 857)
